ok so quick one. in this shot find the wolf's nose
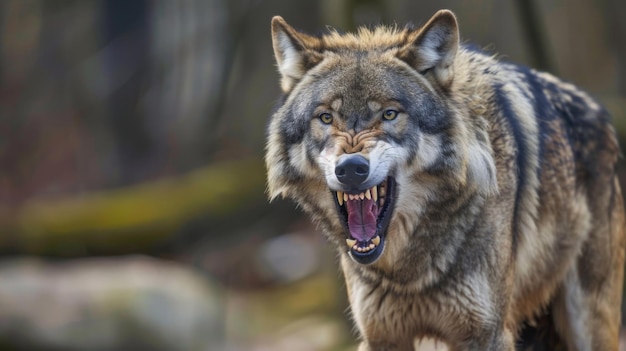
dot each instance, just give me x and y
(352, 170)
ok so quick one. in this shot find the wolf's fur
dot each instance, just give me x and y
(507, 209)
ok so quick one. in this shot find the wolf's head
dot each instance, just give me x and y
(369, 129)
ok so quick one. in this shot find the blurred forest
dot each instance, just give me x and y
(132, 205)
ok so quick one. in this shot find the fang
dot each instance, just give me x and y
(376, 240)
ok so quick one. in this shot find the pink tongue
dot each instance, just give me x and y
(362, 219)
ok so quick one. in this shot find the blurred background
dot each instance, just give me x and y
(132, 206)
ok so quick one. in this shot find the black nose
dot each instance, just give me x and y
(352, 170)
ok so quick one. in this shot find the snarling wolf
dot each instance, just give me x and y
(473, 202)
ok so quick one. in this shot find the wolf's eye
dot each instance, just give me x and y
(390, 114)
(326, 118)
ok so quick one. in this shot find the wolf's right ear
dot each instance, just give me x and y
(295, 52)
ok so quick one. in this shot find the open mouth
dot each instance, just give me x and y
(366, 216)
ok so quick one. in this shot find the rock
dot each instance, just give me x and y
(129, 303)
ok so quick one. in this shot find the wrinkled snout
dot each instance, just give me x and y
(352, 170)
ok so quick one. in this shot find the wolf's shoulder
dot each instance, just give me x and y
(539, 108)
(548, 95)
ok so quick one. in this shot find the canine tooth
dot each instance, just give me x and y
(362, 196)
(351, 242)
(340, 198)
(368, 195)
(376, 240)
(375, 193)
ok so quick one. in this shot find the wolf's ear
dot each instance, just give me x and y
(434, 46)
(295, 52)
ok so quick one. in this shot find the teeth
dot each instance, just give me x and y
(371, 193)
(382, 191)
(376, 240)
(352, 243)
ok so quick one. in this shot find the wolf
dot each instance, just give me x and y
(473, 202)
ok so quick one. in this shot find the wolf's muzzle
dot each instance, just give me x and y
(352, 170)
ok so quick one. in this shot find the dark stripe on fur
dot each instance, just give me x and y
(541, 337)
(543, 108)
(521, 157)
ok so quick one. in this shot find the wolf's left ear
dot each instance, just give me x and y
(434, 47)
(295, 52)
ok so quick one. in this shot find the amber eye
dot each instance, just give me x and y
(326, 118)
(390, 114)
